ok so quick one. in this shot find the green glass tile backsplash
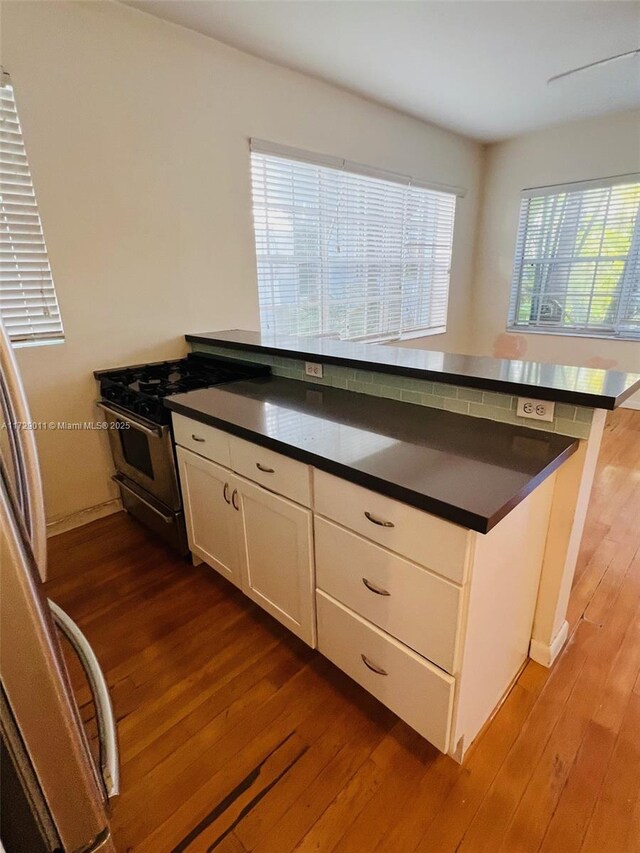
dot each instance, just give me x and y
(568, 420)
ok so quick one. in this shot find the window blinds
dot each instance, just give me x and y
(348, 255)
(577, 260)
(28, 303)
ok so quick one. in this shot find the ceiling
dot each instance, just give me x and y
(478, 67)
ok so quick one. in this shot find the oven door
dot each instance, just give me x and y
(143, 452)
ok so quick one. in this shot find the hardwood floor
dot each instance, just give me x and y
(235, 737)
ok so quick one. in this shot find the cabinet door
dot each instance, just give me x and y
(213, 526)
(278, 564)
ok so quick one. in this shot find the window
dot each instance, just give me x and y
(346, 253)
(577, 264)
(28, 303)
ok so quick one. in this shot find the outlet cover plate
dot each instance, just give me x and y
(537, 410)
(311, 368)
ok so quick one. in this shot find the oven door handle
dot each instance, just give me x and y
(107, 731)
(155, 431)
(119, 480)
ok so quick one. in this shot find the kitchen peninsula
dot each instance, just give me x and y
(396, 512)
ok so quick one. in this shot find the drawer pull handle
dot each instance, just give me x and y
(373, 588)
(196, 437)
(379, 521)
(225, 493)
(265, 469)
(377, 669)
(234, 495)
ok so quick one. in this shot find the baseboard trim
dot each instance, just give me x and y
(631, 404)
(546, 654)
(78, 519)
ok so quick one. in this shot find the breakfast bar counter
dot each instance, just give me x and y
(582, 386)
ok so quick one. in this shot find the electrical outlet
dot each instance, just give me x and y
(538, 410)
(313, 369)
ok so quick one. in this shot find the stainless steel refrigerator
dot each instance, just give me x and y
(54, 795)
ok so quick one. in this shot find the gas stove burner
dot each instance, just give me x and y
(141, 389)
(150, 386)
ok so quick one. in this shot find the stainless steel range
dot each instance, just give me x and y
(140, 432)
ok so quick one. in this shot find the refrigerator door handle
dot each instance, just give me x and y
(107, 731)
(28, 453)
(16, 485)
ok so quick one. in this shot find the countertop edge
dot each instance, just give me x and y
(576, 398)
(620, 399)
(448, 512)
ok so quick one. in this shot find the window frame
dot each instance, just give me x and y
(516, 283)
(22, 230)
(353, 170)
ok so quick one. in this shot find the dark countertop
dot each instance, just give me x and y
(581, 386)
(467, 470)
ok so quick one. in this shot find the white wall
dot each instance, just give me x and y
(137, 135)
(595, 148)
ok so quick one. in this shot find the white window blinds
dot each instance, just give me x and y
(577, 262)
(348, 255)
(28, 303)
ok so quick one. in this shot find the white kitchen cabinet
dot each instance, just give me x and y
(213, 525)
(275, 472)
(277, 558)
(420, 693)
(432, 618)
(410, 603)
(203, 439)
(261, 542)
(438, 545)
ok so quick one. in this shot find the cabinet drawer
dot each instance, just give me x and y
(421, 537)
(405, 600)
(272, 470)
(414, 689)
(203, 439)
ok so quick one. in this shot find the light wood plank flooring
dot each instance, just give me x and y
(235, 737)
